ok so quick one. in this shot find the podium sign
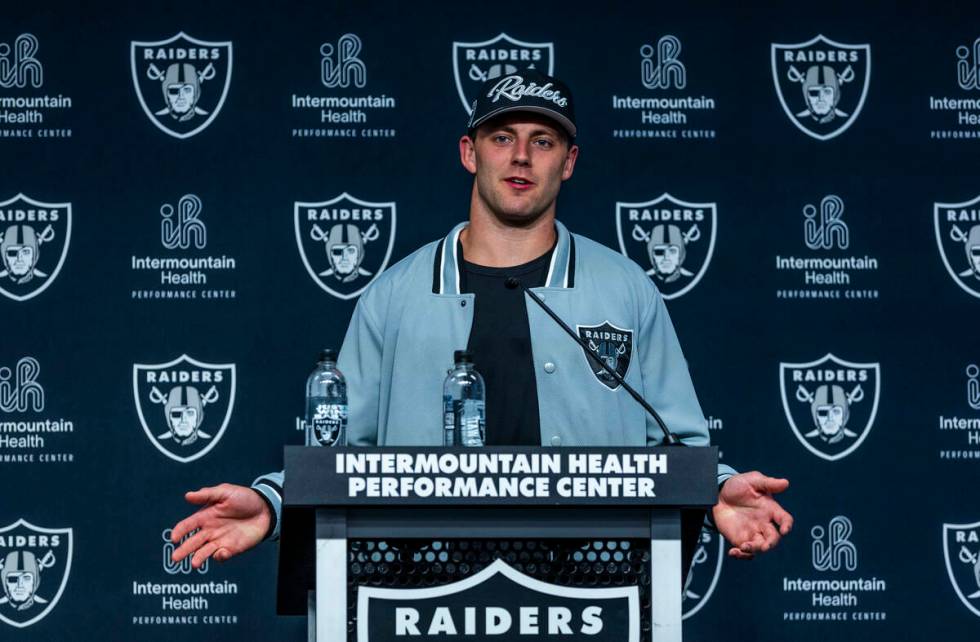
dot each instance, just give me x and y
(335, 494)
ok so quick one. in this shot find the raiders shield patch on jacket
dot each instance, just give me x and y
(610, 345)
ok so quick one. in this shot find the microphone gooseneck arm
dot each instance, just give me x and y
(669, 438)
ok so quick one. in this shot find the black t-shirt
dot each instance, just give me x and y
(500, 341)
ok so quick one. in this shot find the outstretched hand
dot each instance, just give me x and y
(748, 516)
(233, 520)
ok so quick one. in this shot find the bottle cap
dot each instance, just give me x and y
(328, 354)
(463, 356)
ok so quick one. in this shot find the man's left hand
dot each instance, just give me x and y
(748, 516)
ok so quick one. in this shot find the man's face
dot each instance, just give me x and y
(183, 420)
(975, 258)
(520, 160)
(830, 419)
(20, 585)
(666, 257)
(19, 259)
(344, 257)
(181, 97)
(821, 99)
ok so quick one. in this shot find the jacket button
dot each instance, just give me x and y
(549, 367)
(556, 441)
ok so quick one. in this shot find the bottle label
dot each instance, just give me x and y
(470, 414)
(327, 421)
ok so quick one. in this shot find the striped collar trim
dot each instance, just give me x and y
(446, 277)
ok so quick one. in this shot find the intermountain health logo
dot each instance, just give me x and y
(34, 239)
(821, 84)
(184, 405)
(345, 242)
(957, 227)
(512, 606)
(957, 114)
(959, 431)
(34, 566)
(27, 109)
(831, 269)
(668, 109)
(343, 106)
(181, 82)
(26, 430)
(474, 63)
(185, 270)
(830, 403)
(673, 239)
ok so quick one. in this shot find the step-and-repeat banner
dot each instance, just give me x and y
(193, 196)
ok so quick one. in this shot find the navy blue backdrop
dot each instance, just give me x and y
(814, 166)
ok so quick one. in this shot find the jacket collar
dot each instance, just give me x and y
(446, 268)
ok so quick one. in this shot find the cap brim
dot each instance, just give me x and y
(558, 117)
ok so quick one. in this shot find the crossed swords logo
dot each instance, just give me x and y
(45, 562)
(690, 236)
(158, 397)
(960, 236)
(794, 75)
(971, 558)
(153, 73)
(44, 237)
(854, 396)
(318, 235)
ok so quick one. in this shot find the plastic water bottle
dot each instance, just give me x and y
(326, 403)
(464, 404)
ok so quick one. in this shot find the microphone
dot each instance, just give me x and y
(669, 439)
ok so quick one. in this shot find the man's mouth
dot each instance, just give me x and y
(518, 182)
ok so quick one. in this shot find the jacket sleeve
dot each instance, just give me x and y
(360, 362)
(667, 382)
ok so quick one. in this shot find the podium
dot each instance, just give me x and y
(335, 495)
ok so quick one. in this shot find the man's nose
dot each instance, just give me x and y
(522, 149)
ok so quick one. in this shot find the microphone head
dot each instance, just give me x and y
(512, 283)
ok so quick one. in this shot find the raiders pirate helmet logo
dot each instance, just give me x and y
(961, 550)
(34, 239)
(610, 345)
(957, 227)
(184, 405)
(345, 242)
(474, 63)
(181, 82)
(34, 566)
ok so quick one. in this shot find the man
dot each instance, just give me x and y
(541, 388)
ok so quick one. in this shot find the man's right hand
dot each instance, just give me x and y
(233, 520)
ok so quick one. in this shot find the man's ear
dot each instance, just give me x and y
(569, 167)
(467, 153)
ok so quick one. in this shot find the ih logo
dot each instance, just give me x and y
(823, 228)
(610, 344)
(34, 567)
(702, 577)
(831, 549)
(968, 66)
(597, 614)
(958, 237)
(345, 243)
(973, 386)
(18, 66)
(183, 567)
(676, 239)
(34, 240)
(340, 66)
(19, 390)
(830, 403)
(181, 228)
(184, 405)
(664, 71)
(821, 84)
(961, 548)
(477, 62)
(181, 82)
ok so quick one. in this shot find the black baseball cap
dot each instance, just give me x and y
(525, 90)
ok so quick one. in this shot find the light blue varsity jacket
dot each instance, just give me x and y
(406, 325)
